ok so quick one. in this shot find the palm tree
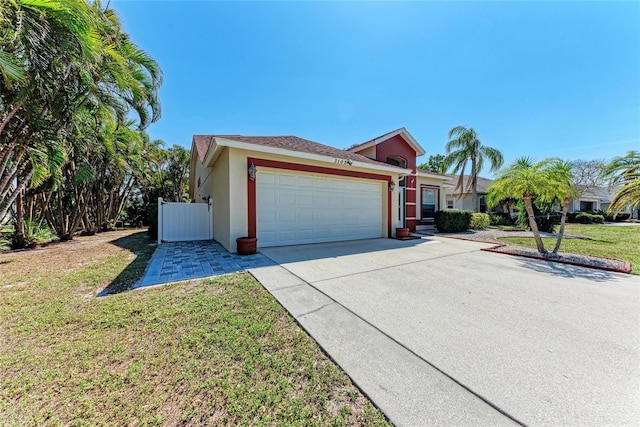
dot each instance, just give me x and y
(465, 146)
(70, 78)
(624, 172)
(544, 181)
(561, 175)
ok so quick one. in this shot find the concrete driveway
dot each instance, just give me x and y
(437, 332)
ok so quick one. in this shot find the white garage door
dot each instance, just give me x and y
(295, 208)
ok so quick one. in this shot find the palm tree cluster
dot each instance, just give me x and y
(75, 97)
(546, 181)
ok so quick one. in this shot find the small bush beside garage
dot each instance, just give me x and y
(452, 220)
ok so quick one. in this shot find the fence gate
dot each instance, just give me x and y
(179, 222)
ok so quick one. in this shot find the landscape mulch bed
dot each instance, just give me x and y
(492, 236)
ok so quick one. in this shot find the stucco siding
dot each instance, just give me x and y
(369, 152)
(226, 182)
(221, 195)
(396, 146)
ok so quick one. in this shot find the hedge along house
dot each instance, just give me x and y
(420, 193)
(286, 190)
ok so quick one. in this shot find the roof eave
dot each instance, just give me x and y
(402, 131)
(219, 143)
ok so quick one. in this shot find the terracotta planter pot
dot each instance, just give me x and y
(247, 245)
(402, 232)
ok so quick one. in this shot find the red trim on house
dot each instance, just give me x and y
(251, 209)
(274, 164)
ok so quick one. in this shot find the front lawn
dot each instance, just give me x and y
(214, 352)
(606, 241)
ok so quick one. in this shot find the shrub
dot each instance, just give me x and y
(479, 221)
(587, 218)
(619, 218)
(452, 220)
(4, 245)
(34, 234)
(571, 216)
(500, 218)
(152, 220)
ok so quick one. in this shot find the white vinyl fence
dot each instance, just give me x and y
(179, 222)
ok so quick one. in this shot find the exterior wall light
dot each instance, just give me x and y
(392, 185)
(252, 172)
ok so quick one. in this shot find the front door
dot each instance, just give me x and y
(401, 207)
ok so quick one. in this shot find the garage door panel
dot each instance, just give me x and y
(285, 180)
(287, 217)
(321, 217)
(305, 200)
(336, 200)
(305, 182)
(296, 208)
(267, 178)
(268, 238)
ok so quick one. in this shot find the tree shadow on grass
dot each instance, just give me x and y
(569, 271)
(142, 247)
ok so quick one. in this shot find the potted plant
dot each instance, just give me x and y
(402, 232)
(247, 245)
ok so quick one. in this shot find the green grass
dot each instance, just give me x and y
(599, 240)
(215, 352)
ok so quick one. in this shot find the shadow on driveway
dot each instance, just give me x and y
(316, 251)
(568, 270)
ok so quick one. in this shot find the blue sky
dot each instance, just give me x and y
(541, 79)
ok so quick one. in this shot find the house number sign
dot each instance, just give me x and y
(343, 162)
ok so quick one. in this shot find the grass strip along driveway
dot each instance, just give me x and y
(617, 242)
(217, 351)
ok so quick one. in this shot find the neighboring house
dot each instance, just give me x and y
(591, 199)
(286, 190)
(460, 197)
(597, 198)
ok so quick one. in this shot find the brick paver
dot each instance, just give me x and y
(176, 261)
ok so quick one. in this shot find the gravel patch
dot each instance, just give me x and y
(494, 235)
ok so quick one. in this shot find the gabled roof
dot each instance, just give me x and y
(429, 174)
(595, 193)
(289, 143)
(202, 143)
(402, 132)
(483, 184)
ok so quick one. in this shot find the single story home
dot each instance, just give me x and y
(461, 197)
(287, 190)
(595, 199)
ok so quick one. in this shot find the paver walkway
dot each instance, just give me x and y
(175, 261)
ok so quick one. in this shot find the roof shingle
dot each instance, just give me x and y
(483, 184)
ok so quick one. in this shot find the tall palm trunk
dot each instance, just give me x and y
(474, 183)
(565, 208)
(528, 205)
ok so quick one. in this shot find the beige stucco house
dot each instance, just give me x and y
(460, 197)
(286, 190)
